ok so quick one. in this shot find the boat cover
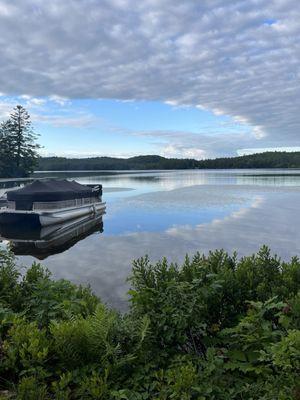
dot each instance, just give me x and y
(50, 190)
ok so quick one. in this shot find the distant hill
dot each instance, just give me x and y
(259, 160)
(110, 163)
(270, 159)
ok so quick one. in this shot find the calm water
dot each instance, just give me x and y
(170, 214)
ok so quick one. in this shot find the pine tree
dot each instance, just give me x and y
(6, 149)
(18, 149)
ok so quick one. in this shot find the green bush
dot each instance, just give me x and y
(30, 388)
(217, 327)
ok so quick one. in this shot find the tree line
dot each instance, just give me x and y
(270, 159)
(18, 149)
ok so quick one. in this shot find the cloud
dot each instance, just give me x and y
(84, 153)
(181, 151)
(198, 145)
(238, 58)
(59, 100)
(53, 111)
(60, 121)
(5, 109)
(37, 102)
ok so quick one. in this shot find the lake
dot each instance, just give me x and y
(171, 214)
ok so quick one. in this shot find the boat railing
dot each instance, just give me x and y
(54, 205)
(11, 205)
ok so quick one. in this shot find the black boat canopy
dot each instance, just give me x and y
(49, 190)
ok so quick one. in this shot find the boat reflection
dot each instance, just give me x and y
(46, 241)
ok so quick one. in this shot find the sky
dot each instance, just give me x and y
(178, 78)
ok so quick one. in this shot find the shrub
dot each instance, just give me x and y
(217, 327)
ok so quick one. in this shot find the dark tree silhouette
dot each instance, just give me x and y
(18, 147)
(6, 164)
(261, 160)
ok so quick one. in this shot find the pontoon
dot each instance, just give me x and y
(53, 201)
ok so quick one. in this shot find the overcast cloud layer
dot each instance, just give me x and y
(239, 58)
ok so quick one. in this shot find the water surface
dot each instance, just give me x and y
(172, 213)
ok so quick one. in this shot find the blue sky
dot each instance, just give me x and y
(93, 127)
(177, 79)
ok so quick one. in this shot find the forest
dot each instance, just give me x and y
(259, 160)
(218, 327)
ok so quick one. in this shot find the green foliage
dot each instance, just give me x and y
(217, 327)
(268, 159)
(156, 294)
(30, 388)
(60, 388)
(214, 292)
(26, 349)
(262, 160)
(93, 387)
(286, 353)
(82, 341)
(112, 163)
(50, 300)
(18, 150)
(253, 336)
(9, 276)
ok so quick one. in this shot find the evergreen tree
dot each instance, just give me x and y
(6, 149)
(18, 149)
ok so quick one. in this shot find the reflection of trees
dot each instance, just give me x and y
(72, 174)
(126, 179)
(146, 179)
(268, 179)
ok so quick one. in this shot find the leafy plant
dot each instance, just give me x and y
(217, 327)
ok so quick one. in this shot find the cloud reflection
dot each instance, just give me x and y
(104, 261)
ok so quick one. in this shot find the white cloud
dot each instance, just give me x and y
(6, 9)
(53, 111)
(59, 100)
(183, 144)
(178, 151)
(238, 58)
(60, 121)
(6, 107)
(73, 153)
(37, 102)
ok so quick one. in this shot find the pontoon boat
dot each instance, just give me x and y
(53, 201)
